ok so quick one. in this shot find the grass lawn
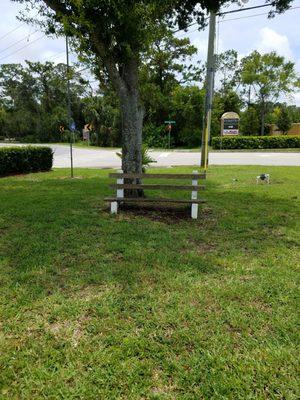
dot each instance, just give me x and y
(149, 305)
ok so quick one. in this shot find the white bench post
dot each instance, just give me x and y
(120, 194)
(194, 211)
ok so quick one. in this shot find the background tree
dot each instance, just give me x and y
(284, 121)
(104, 117)
(187, 110)
(294, 112)
(34, 100)
(226, 69)
(167, 72)
(270, 76)
(249, 122)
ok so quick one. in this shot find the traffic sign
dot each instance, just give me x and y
(72, 126)
(170, 122)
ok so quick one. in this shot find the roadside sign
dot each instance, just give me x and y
(72, 126)
(169, 128)
(230, 124)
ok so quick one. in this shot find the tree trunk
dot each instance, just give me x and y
(263, 112)
(125, 81)
(132, 125)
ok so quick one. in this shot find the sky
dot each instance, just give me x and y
(244, 32)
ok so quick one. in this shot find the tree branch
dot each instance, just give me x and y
(57, 6)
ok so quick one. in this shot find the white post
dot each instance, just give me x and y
(120, 194)
(194, 197)
(114, 207)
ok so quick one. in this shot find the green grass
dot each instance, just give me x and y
(150, 306)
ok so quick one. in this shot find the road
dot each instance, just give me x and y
(107, 158)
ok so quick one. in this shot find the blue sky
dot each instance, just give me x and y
(249, 32)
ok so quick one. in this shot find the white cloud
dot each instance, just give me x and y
(270, 40)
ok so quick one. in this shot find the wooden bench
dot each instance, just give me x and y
(138, 179)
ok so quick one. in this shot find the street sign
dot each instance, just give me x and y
(72, 126)
(169, 128)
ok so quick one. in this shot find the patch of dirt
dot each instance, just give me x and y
(64, 178)
(199, 247)
(164, 213)
(72, 331)
(93, 292)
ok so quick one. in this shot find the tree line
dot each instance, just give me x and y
(33, 104)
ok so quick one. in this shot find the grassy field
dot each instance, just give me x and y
(145, 304)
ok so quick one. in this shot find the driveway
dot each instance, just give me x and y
(107, 158)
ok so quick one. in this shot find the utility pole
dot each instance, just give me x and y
(210, 72)
(69, 107)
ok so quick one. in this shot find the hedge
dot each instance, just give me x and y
(255, 142)
(19, 160)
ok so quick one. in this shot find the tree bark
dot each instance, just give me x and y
(132, 125)
(125, 82)
(263, 112)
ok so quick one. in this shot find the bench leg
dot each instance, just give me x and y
(114, 207)
(194, 211)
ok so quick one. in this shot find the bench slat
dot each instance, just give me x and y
(157, 176)
(146, 200)
(150, 186)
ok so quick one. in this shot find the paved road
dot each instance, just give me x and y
(105, 158)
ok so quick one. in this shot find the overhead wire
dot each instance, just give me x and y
(24, 47)
(253, 15)
(234, 19)
(13, 30)
(19, 41)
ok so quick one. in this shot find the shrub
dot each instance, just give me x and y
(155, 136)
(256, 142)
(146, 158)
(19, 160)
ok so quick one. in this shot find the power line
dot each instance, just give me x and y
(237, 18)
(83, 69)
(24, 47)
(15, 43)
(254, 15)
(244, 9)
(13, 30)
(229, 12)
(54, 56)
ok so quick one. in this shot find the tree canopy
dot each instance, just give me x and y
(269, 76)
(33, 100)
